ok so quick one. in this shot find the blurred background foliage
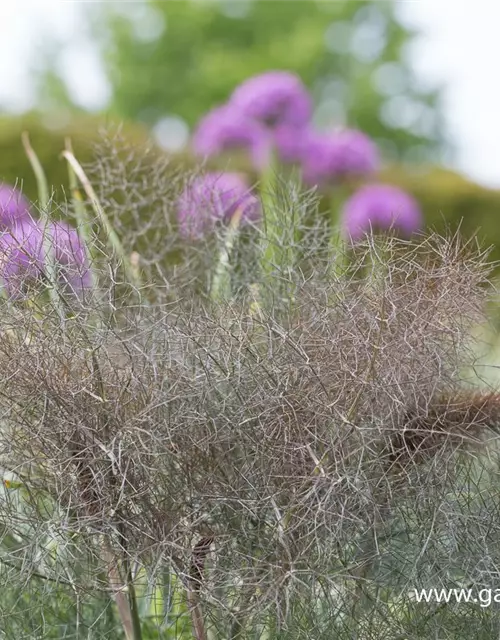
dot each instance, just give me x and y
(48, 139)
(168, 62)
(447, 198)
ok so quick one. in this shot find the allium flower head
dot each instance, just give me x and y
(21, 256)
(71, 256)
(215, 197)
(13, 206)
(291, 142)
(380, 206)
(274, 98)
(337, 155)
(226, 128)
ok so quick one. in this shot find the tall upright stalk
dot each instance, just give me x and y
(272, 250)
(221, 283)
(50, 265)
(84, 224)
(337, 248)
(103, 219)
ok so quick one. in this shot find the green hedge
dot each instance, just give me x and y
(447, 199)
(450, 200)
(48, 143)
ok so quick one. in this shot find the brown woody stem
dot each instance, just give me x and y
(200, 553)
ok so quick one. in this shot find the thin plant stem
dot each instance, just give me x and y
(194, 604)
(111, 234)
(118, 589)
(199, 555)
(41, 180)
(84, 224)
(280, 241)
(132, 602)
(337, 248)
(50, 266)
(221, 284)
(271, 253)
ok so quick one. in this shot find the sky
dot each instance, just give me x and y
(459, 47)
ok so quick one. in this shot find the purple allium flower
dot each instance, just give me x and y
(291, 142)
(21, 256)
(330, 157)
(213, 197)
(71, 256)
(380, 206)
(274, 98)
(227, 128)
(13, 206)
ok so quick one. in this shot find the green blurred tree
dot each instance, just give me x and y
(167, 58)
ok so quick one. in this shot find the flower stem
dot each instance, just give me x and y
(221, 284)
(337, 248)
(111, 234)
(50, 265)
(84, 224)
(127, 607)
(41, 180)
(271, 254)
(132, 601)
(200, 552)
(280, 244)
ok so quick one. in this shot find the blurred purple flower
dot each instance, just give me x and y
(213, 197)
(227, 128)
(291, 142)
(328, 158)
(274, 98)
(22, 256)
(13, 206)
(383, 207)
(71, 256)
